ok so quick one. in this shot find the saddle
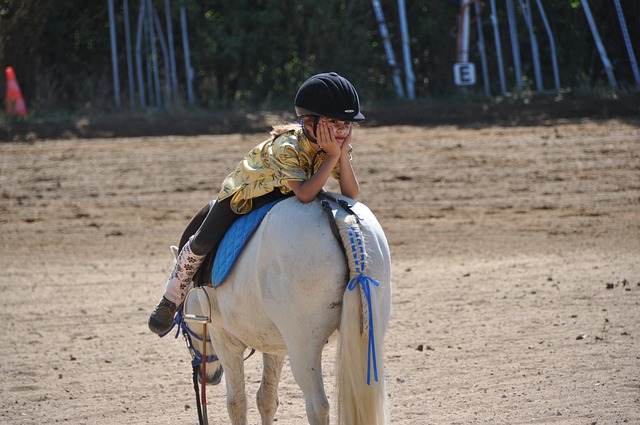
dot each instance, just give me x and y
(218, 263)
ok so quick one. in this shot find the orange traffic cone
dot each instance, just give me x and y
(15, 102)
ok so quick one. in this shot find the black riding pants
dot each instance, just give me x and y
(219, 219)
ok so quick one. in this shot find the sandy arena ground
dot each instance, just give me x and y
(516, 271)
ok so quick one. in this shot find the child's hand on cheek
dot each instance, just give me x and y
(345, 144)
(327, 140)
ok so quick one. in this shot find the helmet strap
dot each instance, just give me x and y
(312, 139)
(316, 119)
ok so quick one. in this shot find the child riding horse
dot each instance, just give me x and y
(296, 159)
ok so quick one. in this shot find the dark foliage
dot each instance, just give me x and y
(252, 54)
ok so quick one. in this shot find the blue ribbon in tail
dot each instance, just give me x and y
(371, 352)
(364, 281)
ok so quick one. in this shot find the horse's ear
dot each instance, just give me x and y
(175, 251)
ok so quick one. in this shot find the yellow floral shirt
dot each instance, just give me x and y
(272, 165)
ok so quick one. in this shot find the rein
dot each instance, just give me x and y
(187, 334)
(325, 198)
(325, 203)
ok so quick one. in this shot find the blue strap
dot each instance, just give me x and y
(186, 328)
(197, 358)
(196, 355)
(364, 282)
(359, 257)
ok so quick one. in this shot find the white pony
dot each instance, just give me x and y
(286, 295)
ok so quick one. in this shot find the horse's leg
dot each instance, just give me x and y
(236, 396)
(306, 365)
(267, 397)
(230, 353)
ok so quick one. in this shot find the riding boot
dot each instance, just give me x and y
(187, 264)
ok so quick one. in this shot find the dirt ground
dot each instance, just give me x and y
(516, 272)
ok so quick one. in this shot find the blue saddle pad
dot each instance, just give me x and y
(234, 240)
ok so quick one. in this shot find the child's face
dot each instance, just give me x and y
(337, 126)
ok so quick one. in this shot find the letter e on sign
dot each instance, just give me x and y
(464, 74)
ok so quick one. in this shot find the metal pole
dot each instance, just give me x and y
(483, 55)
(154, 54)
(127, 35)
(552, 42)
(496, 36)
(114, 56)
(149, 69)
(139, 32)
(513, 31)
(204, 320)
(603, 54)
(384, 33)
(627, 41)
(525, 6)
(165, 53)
(172, 55)
(187, 61)
(408, 71)
(203, 374)
(463, 29)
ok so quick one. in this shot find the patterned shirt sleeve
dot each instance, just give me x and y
(284, 160)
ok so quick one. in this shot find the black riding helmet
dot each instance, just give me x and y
(328, 95)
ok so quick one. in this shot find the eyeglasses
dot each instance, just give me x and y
(336, 123)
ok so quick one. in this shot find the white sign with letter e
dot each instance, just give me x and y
(464, 74)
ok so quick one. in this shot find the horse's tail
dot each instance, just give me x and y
(360, 381)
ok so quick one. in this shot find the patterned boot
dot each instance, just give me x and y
(187, 264)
